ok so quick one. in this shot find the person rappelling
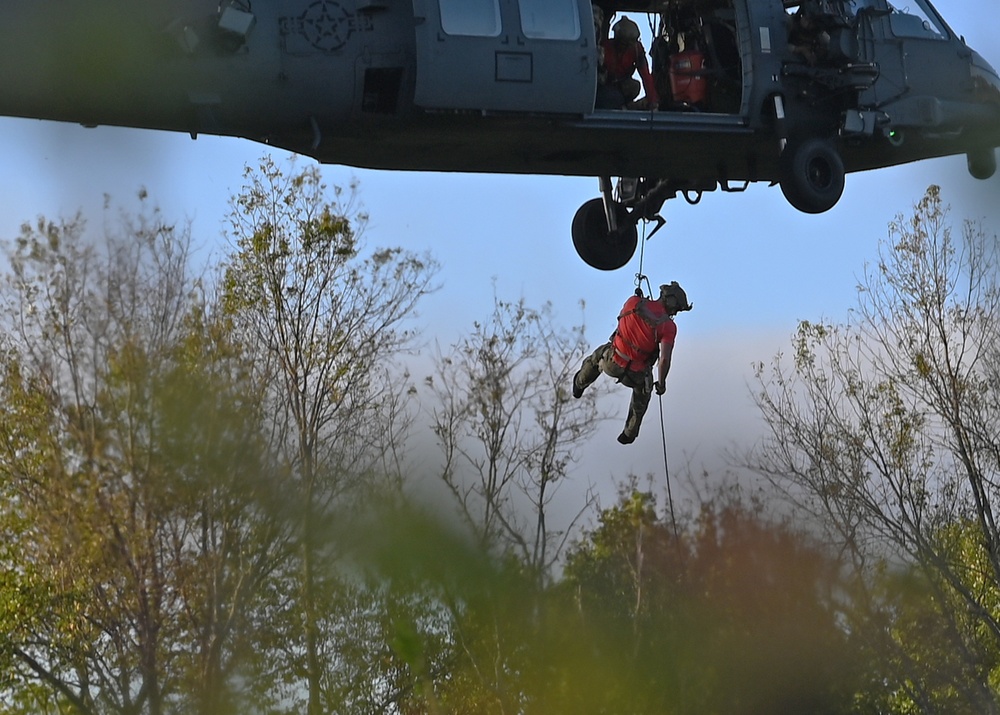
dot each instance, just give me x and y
(645, 335)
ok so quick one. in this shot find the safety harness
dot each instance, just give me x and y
(651, 321)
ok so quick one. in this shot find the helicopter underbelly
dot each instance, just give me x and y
(363, 88)
(590, 146)
(681, 146)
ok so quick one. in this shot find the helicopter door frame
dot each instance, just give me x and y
(930, 53)
(534, 56)
(917, 53)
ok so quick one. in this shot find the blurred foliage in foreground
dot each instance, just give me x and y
(203, 504)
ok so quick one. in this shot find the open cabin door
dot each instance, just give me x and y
(506, 55)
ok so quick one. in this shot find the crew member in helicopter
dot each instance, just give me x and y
(644, 337)
(806, 38)
(623, 56)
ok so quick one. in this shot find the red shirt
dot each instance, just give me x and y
(621, 62)
(642, 325)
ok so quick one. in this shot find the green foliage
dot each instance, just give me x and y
(202, 500)
(128, 468)
(885, 430)
(321, 321)
(735, 615)
(732, 615)
(936, 654)
(321, 318)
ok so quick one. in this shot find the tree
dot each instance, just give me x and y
(128, 463)
(734, 613)
(84, 331)
(508, 427)
(226, 540)
(322, 321)
(886, 429)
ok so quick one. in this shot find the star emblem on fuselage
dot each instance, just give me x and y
(326, 25)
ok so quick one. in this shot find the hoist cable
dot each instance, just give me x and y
(666, 472)
(639, 277)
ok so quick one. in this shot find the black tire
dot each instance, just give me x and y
(982, 163)
(812, 175)
(595, 245)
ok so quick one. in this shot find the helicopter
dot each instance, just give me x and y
(795, 93)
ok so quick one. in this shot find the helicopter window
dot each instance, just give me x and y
(550, 19)
(914, 19)
(478, 18)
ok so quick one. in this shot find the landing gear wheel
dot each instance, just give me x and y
(596, 245)
(812, 175)
(982, 163)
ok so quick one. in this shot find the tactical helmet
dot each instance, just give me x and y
(626, 30)
(674, 297)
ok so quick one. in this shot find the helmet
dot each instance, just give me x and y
(626, 30)
(674, 297)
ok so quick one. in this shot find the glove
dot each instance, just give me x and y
(660, 386)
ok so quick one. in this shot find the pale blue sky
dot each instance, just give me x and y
(751, 264)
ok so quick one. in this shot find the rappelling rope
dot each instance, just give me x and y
(639, 278)
(666, 472)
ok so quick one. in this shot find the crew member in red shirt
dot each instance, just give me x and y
(645, 335)
(623, 55)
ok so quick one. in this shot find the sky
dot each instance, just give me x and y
(751, 264)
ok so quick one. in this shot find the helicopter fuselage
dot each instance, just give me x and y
(513, 86)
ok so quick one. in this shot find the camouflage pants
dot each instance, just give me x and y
(641, 383)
